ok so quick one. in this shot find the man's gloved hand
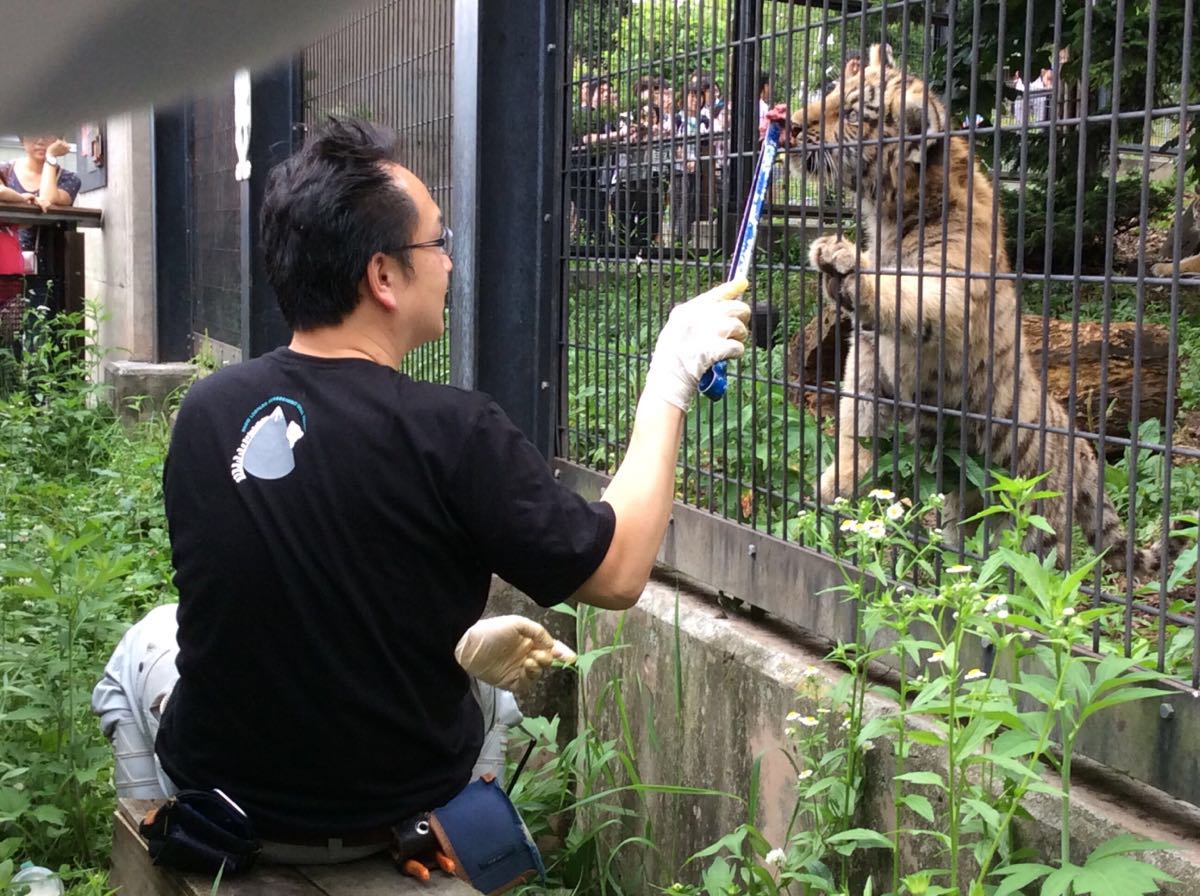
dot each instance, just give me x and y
(709, 328)
(509, 651)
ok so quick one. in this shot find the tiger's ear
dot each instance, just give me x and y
(924, 123)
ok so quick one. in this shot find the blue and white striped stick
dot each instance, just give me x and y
(714, 382)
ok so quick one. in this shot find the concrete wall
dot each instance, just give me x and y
(119, 258)
(737, 680)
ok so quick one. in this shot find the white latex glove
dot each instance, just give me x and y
(509, 651)
(709, 328)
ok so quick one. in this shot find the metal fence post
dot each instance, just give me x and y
(275, 104)
(516, 206)
(742, 116)
(172, 202)
(464, 171)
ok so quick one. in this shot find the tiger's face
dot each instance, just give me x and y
(873, 122)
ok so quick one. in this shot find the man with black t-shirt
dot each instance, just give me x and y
(335, 526)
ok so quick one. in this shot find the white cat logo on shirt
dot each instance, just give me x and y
(266, 449)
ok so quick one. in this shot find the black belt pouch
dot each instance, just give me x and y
(201, 830)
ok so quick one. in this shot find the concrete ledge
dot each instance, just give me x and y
(140, 389)
(738, 681)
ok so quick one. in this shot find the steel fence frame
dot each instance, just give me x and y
(621, 280)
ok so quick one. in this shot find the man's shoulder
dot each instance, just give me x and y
(443, 401)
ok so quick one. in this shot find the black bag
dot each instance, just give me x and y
(201, 830)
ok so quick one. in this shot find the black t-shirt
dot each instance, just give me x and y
(334, 527)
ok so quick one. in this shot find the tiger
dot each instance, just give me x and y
(1188, 265)
(928, 220)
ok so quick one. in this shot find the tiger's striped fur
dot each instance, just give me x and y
(930, 315)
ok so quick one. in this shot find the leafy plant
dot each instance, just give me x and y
(995, 748)
(83, 552)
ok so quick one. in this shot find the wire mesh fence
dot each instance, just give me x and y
(215, 245)
(977, 260)
(390, 63)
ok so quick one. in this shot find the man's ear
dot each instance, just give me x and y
(383, 280)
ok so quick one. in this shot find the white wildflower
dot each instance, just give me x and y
(808, 721)
(789, 731)
(975, 675)
(960, 570)
(874, 529)
(1002, 614)
(882, 494)
(839, 501)
(792, 717)
(868, 746)
(811, 672)
(937, 657)
(805, 775)
(895, 511)
(938, 500)
(775, 857)
(1068, 612)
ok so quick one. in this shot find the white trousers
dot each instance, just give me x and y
(137, 684)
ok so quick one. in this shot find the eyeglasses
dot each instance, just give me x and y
(443, 242)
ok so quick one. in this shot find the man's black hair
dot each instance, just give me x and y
(327, 210)
(764, 78)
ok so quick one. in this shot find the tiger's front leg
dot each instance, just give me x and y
(838, 259)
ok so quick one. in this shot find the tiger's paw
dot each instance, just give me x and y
(836, 258)
(833, 255)
(829, 488)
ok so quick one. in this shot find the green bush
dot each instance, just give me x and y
(83, 553)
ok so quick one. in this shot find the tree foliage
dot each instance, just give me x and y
(1109, 57)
